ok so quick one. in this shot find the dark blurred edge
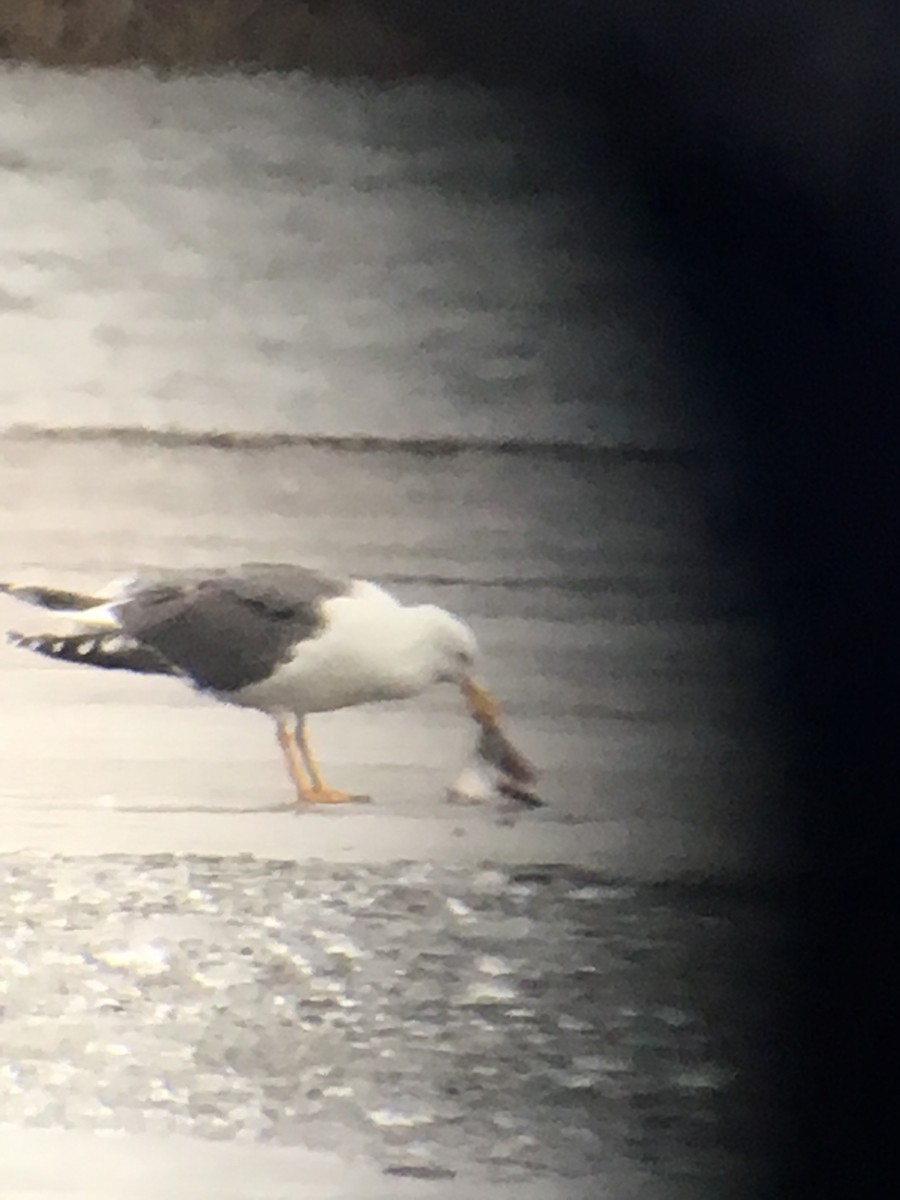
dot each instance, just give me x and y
(763, 144)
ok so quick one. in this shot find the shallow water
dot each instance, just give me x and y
(289, 255)
(477, 1023)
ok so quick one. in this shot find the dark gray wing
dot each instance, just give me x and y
(227, 629)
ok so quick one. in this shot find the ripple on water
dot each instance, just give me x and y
(493, 964)
(400, 1118)
(442, 1011)
(487, 992)
(143, 959)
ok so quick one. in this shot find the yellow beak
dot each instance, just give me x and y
(481, 704)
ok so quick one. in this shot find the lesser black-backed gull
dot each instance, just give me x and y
(280, 638)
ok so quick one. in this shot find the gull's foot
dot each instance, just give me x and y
(327, 795)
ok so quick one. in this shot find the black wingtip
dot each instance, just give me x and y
(56, 599)
(111, 650)
(38, 642)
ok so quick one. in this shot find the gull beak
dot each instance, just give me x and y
(481, 704)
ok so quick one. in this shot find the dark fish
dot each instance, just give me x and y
(495, 749)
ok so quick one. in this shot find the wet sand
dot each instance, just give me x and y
(631, 671)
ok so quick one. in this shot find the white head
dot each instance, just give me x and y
(448, 645)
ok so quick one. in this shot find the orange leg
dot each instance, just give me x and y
(285, 729)
(292, 737)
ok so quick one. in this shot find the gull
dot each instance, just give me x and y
(277, 637)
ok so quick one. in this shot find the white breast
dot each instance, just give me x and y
(367, 651)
